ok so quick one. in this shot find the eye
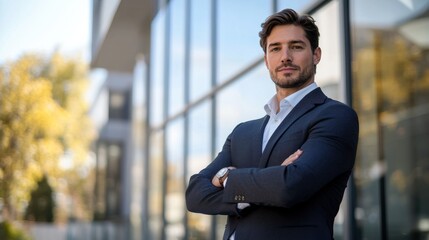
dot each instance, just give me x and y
(296, 47)
(275, 49)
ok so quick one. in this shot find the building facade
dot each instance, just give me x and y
(197, 70)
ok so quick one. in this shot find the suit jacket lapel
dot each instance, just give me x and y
(306, 104)
(257, 144)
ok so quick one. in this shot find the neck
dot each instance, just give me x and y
(285, 92)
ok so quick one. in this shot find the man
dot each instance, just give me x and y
(283, 176)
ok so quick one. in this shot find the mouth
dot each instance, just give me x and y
(286, 69)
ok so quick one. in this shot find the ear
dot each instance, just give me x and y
(317, 55)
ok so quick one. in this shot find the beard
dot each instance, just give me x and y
(287, 81)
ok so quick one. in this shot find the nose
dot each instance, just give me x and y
(286, 56)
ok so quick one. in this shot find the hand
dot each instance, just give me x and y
(292, 158)
(215, 182)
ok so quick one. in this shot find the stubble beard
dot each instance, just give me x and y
(286, 80)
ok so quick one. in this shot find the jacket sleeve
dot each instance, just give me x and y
(328, 154)
(202, 196)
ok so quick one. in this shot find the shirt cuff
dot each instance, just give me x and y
(224, 182)
(242, 206)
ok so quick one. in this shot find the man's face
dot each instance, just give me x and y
(289, 58)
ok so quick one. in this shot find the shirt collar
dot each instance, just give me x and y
(291, 100)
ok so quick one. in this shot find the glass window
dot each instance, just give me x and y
(235, 105)
(175, 198)
(155, 186)
(238, 39)
(391, 95)
(177, 53)
(113, 179)
(138, 130)
(119, 105)
(328, 75)
(199, 225)
(200, 81)
(100, 186)
(157, 68)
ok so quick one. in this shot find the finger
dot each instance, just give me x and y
(292, 157)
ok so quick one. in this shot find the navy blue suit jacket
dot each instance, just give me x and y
(299, 201)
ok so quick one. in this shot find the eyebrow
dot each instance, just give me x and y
(274, 44)
(290, 42)
(297, 41)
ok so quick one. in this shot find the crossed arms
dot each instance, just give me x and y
(326, 159)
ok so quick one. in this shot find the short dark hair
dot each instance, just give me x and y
(286, 17)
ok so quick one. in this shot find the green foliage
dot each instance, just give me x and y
(9, 232)
(41, 206)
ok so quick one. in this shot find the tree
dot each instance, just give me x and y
(41, 206)
(42, 115)
(69, 78)
(8, 231)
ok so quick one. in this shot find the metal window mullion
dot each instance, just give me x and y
(350, 220)
(186, 100)
(166, 102)
(213, 67)
(147, 147)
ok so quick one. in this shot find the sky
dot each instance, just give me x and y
(42, 26)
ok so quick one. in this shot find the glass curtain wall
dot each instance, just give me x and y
(238, 47)
(237, 38)
(200, 47)
(174, 198)
(199, 117)
(199, 225)
(174, 210)
(391, 95)
(156, 137)
(390, 68)
(329, 76)
(137, 165)
(190, 53)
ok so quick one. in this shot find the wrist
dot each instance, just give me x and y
(221, 177)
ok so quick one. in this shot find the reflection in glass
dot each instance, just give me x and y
(155, 185)
(176, 56)
(243, 100)
(157, 68)
(238, 40)
(391, 94)
(328, 75)
(137, 165)
(200, 48)
(175, 205)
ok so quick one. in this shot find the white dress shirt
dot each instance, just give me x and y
(286, 106)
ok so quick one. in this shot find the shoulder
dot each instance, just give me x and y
(338, 107)
(253, 122)
(326, 106)
(337, 117)
(250, 125)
